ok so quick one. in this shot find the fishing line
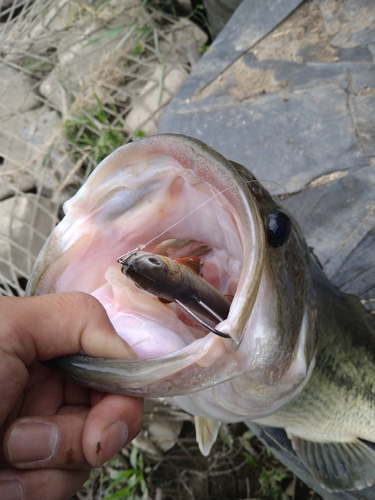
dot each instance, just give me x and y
(125, 256)
(122, 259)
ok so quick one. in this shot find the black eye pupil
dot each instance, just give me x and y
(154, 261)
(279, 226)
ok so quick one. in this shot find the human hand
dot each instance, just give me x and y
(54, 431)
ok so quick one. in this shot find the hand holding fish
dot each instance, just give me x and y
(53, 431)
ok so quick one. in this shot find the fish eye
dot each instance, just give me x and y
(279, 226)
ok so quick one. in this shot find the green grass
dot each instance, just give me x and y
(272, 484)
(38, 65)
(131, 482)
(144, 33)
(272, 480)
(92, 133)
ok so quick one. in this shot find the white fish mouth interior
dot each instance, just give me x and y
(158, 204)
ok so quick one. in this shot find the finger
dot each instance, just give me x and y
(112, 422)
(13, 415)
(13, 379)
(38, 328)
(76, 437)
(46, 392)
(47, 442)
(48, 484)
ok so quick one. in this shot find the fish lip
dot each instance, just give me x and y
(226, 179)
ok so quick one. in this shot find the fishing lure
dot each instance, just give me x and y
(177, 281)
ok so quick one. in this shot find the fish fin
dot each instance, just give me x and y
(193, 263)
(338, 466)
(206, 431)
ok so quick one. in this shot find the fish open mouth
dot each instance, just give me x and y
(173, 226)
(173, 197)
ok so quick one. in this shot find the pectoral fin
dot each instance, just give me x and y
(338, 466)
(206, 431)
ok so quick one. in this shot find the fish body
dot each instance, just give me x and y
(332, 417)
(300, 356)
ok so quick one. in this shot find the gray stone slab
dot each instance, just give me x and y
(351, 23)
(356, 274)
(363, 112)
(291, 136)
(251, 21)
(338, 220)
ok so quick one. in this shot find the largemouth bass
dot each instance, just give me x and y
(301, 355)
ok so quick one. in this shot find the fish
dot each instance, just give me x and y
(177, 281)
(301, 354)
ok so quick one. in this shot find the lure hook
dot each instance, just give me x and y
(200, 320)
(123, 260)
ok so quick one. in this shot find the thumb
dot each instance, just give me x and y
(43, 327)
